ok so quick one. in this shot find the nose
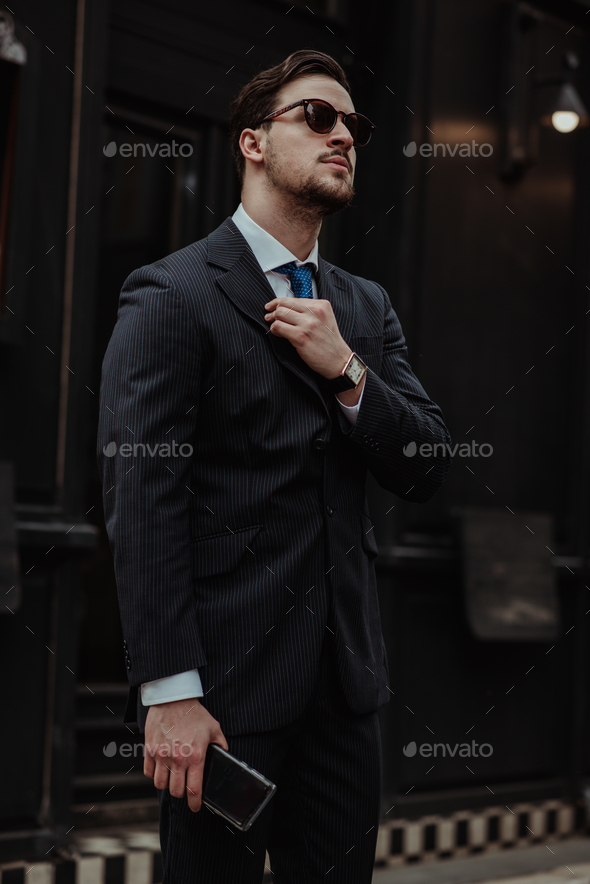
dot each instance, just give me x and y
(340, 135)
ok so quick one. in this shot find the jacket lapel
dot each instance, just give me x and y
(247, 286)
(334, 287)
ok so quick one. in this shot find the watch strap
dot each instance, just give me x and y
(340, 384)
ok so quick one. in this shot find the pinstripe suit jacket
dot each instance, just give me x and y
(237, 557)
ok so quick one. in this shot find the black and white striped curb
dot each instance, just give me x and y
(465, 832)
(134, 857)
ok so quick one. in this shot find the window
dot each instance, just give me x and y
(12, 56)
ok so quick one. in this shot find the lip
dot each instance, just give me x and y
(337, 163)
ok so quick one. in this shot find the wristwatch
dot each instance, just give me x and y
(350, 376)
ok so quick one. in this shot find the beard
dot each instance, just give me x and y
(311, 195)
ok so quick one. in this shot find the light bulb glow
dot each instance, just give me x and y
(565, 121)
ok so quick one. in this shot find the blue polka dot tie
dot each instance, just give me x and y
(300, 277)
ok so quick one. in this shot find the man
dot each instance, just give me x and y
(244, 563)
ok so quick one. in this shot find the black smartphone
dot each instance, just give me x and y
(233, 789)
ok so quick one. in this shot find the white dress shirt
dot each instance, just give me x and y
(269, 253)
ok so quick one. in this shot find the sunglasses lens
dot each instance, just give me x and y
(320, 116)
(360, 129)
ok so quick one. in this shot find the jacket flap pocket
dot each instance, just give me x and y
(369, 539)
(221, 553)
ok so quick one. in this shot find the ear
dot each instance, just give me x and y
(250, 145)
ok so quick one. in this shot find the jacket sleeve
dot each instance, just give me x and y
(147, 423)
(399, 431)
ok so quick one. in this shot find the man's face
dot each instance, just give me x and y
(296, 159)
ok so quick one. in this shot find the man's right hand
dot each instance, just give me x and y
(177, 735)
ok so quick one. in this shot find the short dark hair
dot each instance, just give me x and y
(257, 98)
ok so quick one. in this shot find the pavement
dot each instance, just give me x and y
(132, 854)
(567, 860)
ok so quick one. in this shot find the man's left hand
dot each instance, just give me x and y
(310, 326)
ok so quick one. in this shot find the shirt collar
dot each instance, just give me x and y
(268, 251)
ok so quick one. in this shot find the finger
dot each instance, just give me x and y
(293, 303)
(161, 774)
(283, 329)
(291, 315)
(149, 765)
(194, 786)
(284, 312)
(275, 301)
(177, 780)
(194, 776)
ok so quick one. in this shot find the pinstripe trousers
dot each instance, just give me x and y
(322, 823)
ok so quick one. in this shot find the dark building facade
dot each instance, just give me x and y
(475, 217)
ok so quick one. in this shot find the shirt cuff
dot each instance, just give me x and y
(351, 411)
(181, 686)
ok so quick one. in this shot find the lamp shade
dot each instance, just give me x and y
(564, 109)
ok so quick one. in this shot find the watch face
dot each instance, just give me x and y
(355, 370)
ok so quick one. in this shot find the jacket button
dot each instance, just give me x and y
(320, 444)
(329, 510)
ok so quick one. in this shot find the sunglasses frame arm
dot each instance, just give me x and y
(284, 110)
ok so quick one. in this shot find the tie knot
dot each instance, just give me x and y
(300, 276)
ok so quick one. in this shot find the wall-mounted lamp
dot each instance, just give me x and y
(11, 49)
(566, 111)
(560, 105)
(533, 99)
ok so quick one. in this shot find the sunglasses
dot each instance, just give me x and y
(321, 117)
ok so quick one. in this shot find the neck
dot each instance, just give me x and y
(294, 227)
